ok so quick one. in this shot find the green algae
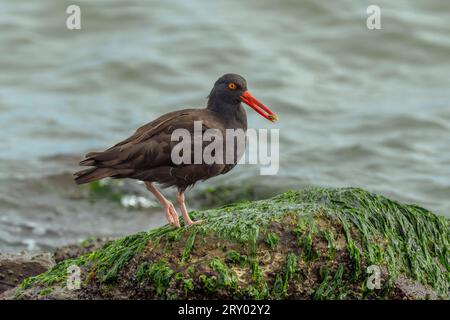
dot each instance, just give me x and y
(280, 287)
(104, 263)
(188, 285)
(257, 292)
(233, 256)
(112, 258)
(158, 274)
(331, 285)
(57, 274)
(226, 278)
(272, 240)
(45, 292)
(188, 246)
(406, 239)
(242, 222)
(414, 235)
(305, 232)
(223, 278)
(331, 243)
(190, 270)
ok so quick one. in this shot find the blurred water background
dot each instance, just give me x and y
(357, 107)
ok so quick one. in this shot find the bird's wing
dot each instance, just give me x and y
(153, 127)
(151, 145)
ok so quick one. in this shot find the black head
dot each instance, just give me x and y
(229, 91)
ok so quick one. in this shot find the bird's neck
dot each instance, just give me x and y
(233, 114)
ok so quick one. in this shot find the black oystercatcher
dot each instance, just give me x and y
(146, 155)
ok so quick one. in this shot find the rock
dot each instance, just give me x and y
(16, 267)
(314, 243)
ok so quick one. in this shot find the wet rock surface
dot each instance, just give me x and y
(314, 243)
(16, 267)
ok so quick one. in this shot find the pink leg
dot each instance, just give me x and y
(181, 203)
(171, 212)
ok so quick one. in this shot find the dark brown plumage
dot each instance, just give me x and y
(146, 155)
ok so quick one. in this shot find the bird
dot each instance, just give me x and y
(147, 154)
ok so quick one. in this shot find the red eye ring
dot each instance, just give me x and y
(232, 86)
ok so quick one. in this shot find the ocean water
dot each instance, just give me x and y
(357, 107)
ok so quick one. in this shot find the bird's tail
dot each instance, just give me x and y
(92, 174)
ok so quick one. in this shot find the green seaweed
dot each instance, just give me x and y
(328, 236)
(233, 256)
(45, 292)
(280, 287)
(188, 285)
(305, 231)
(57, 274)
(158, 274)
(105, 262)
(188, 246)
(331, 285)
(272, 240)
(226, 277)
(222, 279)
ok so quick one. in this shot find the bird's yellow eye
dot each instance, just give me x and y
(232, 86)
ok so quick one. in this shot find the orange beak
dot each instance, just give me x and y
(251, 101)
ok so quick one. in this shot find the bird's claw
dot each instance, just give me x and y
(191, 223)
(172, 215)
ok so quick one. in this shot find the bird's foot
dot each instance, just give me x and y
(172, 215)
(187, 220)
(191, 223)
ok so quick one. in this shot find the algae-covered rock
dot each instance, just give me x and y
(309, 244)
(14, 267)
